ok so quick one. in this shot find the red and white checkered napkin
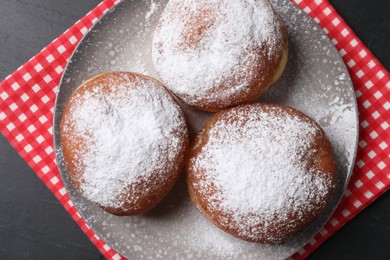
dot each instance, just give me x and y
(28, 95)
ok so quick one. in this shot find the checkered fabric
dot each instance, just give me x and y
(27, 100)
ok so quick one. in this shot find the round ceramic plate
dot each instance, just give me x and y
(315, 81)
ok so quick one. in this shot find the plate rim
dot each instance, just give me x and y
(56, 120)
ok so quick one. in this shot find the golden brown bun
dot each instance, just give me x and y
(143, 191)
(208, 193)
(239, 82)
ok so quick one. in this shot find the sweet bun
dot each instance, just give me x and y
(215, 54)
(261, 172)
(124, 140)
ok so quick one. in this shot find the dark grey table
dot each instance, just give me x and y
(34, 225)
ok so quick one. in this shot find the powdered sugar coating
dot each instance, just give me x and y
(256, 167)
(130, 133)
(210, 52)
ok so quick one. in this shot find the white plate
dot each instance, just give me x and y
(315, 81)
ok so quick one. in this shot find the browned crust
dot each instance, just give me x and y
(267, 75)
(265, 71)
(74, 146)
(323, 161)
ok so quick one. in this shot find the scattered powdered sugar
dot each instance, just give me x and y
(129, 132)
(255, 163)
(201, 45)
(139, 67)
(153, 8)
(209, 237)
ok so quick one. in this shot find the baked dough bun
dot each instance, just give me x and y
(124, 140)
(261, 172)
(215, 54)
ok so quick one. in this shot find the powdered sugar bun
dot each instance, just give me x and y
(124, 141)
(261, 172)
(215, 54)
